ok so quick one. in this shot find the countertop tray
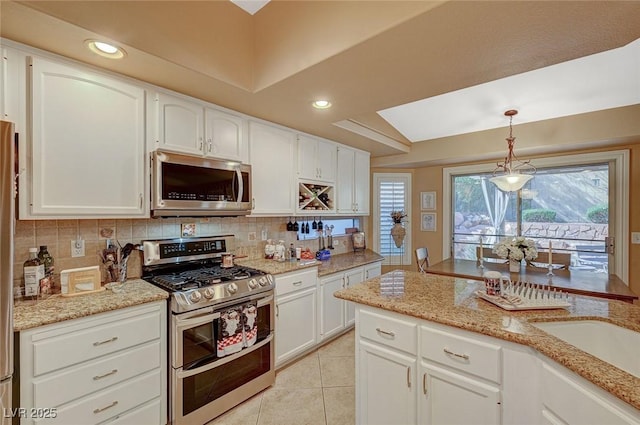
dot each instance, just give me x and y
(524, 304)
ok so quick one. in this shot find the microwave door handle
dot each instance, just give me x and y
(240, 185)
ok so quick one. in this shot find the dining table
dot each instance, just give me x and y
(583, 282)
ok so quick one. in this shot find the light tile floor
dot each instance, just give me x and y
(318, 389)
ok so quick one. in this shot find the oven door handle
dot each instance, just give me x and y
(181, 373)
(193, 322)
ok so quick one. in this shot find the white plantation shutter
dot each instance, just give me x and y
(392, 193)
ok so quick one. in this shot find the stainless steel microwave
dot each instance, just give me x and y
(188, 186)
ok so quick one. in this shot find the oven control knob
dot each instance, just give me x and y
(209, 293)
(232, 288)
(253, 284)
(265, 280)
(195, 296)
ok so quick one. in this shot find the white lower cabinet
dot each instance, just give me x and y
(296, 300)
(107, 368)
(448, 397)
(569, 399)
(337, 314)
(388, 386)
(467, 378)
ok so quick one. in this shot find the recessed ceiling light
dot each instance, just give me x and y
(321, 104)
(105, 49)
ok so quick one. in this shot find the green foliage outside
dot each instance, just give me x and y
(539, 216)
(598, 214)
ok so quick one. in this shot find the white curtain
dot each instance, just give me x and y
(497, 211)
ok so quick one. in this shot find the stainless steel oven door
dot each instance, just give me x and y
(204, 386)
(193, 334)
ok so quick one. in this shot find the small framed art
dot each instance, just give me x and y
(428, 222)
(428, 200)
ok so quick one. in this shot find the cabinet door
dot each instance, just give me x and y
(331, 308)
(351, 277)
(326, 161)
(180, 124)
(295, 324)
(447, 397)
(385, 386)
(372, 270)
(88, 144)
(307, 159)
(225, 136)
(361, 182)
(344, 181)
(272, 157)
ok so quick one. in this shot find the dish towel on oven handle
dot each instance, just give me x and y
(230, 331)
(250, 324)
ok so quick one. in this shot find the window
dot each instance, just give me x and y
(575, 202)
(391, 193)
(337, 226)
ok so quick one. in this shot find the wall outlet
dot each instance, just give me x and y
(77, 248)
(263, 234)
(635, 237)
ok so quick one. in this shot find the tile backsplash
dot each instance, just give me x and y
(58, 234)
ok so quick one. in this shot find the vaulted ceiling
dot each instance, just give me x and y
(365, 56)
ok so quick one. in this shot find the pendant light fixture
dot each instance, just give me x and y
(507, 176)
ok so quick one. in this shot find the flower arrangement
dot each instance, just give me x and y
(397, 216)
(516, 249)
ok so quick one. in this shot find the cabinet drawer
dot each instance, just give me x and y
(394, 332)
(110, 402)
(93, 339)
(461, 351)
(59, 388)
(290, 282)
(149, 414)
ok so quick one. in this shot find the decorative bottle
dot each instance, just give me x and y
(47, 283)
(33, 273)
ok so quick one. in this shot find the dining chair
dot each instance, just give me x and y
(422, 258)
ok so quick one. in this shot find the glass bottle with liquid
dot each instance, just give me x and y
(33, 271)
(47, 283)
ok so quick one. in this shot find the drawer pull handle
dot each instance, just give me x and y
(297, 283)
(424, 383)
(106, 341)
(102, 409)
(388, 333)
(462, 356)
(408, 377)
(98, 377)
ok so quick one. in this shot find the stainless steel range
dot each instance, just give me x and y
(221, 325)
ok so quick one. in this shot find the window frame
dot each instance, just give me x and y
(406, 258)
(618, 197)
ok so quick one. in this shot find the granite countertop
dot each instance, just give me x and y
(335, 264)
(56, 308)
(452, 301)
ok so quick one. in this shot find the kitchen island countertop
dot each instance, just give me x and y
(452, 301)
(56, 308)
(335, 264)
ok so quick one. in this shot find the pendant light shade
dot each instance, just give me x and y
(508, 176)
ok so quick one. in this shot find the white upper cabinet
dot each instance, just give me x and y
(272, 154)
(193, 127)
(352, 183)
(87, 151)
(224, 135)
(180, 124)
(316, 159)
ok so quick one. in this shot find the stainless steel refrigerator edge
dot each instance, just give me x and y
(7, 221)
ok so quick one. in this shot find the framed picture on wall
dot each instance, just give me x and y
(428, 222)
(428, 200)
